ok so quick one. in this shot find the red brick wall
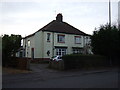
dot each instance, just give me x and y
(23, 63)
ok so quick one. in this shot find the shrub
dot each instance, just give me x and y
(84, 61)
(12, 62)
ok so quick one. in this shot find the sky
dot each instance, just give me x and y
(25, 17)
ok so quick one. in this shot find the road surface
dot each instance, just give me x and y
(106, 79)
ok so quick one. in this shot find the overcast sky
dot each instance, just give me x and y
(25, 17)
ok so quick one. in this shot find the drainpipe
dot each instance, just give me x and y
(84, 44)
(53, 45)
(42, 45)
(28, 61)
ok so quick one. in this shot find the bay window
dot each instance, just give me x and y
(61, 51)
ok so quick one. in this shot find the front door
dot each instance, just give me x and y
(32, 53)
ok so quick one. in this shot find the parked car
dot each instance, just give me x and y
(56, 58)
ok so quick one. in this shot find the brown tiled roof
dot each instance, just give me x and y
(29, 36)
(61, 27)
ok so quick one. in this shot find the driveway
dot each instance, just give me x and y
(37, 68)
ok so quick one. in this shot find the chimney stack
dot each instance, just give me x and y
(59, 17)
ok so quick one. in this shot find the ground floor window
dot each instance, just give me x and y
(61, 51)
(77, 51)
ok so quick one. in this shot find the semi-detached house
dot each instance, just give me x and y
(56, 38)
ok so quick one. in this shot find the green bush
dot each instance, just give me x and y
(84, 61)
(12, 62)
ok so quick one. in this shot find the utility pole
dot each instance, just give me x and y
(109, 13)
(110, 27)
(119, 14)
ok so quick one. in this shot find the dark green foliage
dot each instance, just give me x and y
(105, 41)
(12, 62)
(10, 44)
(84, 61)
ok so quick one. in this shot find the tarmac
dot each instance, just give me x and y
(42, 72)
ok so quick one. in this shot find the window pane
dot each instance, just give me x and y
(48, 36)
(61, 38)
(57, 53)
(77, 39)
(60, 52)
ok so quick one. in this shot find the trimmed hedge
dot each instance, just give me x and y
(84, 61)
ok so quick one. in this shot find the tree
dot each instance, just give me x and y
(10, 44)
(105, 41)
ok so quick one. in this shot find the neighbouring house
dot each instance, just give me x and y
(20, 52)
(56, 38)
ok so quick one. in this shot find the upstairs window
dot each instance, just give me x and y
(61, 38)
(48, 37)
(77, 40)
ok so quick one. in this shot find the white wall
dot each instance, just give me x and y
(69, 42)
(41, 46)
(28, 48)
(48, 45)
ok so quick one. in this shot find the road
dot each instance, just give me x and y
(108, 79)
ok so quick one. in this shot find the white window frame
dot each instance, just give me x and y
(61, 51)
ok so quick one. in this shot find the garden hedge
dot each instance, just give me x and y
(84, 61)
